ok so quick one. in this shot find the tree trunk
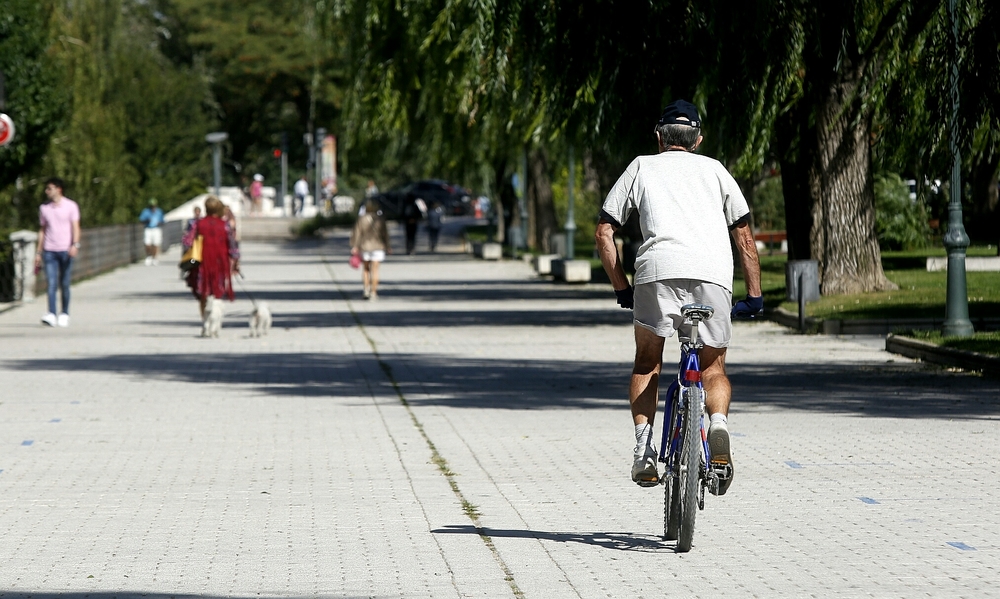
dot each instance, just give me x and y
(503, 200)
(541, 210)
(843, 192)
(794, 163)
(983, 218)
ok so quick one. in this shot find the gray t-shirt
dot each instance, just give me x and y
(686, 204)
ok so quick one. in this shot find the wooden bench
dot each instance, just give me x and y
(769, 239)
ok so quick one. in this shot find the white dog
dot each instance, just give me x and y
(213, 318)
(260, 320)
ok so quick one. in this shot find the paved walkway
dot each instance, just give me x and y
(464, 436)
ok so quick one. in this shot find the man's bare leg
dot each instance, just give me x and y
(718, 393)
(642, 390)
(715, 381)
(642, 395)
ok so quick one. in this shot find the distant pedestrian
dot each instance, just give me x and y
(434, 215)
(256, 193)
(411, 220)
(370, 240)
(233, 223)
(220, 256)
(371, 193)
(152, 236)
(301, 190)
(58, 244)
(371, 190)
(191, 221)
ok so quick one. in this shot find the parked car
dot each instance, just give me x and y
(455, 199)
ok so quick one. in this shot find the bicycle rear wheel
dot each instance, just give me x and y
(690, 467)
(671, 488)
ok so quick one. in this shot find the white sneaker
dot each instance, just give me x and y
(149, 260)
(155, 261)
(722, 456)
(63, 320)
(49, 319)
(644, 471)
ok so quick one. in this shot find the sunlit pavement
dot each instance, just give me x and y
(466, 435)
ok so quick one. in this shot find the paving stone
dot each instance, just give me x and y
(300, 464)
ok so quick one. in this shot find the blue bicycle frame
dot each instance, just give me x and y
(688, 375)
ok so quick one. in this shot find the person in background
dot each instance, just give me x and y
(190, 223)
(220, 256)
(300, 191)
(371, 193)
(434, 215)
(233, 223)
(370, 239)
(256, 193)
(58, 244)
(152, 236)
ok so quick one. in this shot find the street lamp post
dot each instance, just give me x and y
(216, 138)
(957, 323)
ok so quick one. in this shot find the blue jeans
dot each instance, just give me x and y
(58, 268)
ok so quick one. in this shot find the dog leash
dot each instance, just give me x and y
(250, 295)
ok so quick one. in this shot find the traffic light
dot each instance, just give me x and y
(276, 152)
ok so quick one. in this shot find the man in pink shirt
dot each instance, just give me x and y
(58, 244)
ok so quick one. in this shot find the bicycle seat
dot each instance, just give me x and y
(699, 311)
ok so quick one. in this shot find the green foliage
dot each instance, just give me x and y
(36, 98)
(900, 223)
(314, 226)
(274, 66)
(136, 121)
(769, 205)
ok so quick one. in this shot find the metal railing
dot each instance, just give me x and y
(102, 249)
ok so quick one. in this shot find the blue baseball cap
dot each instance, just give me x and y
(680, 112)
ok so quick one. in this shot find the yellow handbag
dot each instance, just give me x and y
(192, 257)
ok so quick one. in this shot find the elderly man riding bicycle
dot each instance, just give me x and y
(686, 205)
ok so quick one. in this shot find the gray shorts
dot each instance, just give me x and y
(658, 309)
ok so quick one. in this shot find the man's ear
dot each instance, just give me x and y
(659, 140)
(697, 143)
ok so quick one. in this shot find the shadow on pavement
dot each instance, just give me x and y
(421, 291)
(902, 391)
(620, 541)
(893, 390)
(472, 383)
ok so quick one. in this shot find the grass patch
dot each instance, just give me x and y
(921, 294)
(983, 343)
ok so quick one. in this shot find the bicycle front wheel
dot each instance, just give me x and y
(690, 467)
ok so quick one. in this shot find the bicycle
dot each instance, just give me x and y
(684, 447)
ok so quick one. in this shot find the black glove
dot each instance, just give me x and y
(748, 308)
(625, 297)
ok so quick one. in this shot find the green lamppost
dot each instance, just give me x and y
(956, 323)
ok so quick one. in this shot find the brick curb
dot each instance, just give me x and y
(868, 326)
(929, 352)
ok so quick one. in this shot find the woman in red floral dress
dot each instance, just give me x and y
(220, 256)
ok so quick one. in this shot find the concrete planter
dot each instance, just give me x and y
(571, 271)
